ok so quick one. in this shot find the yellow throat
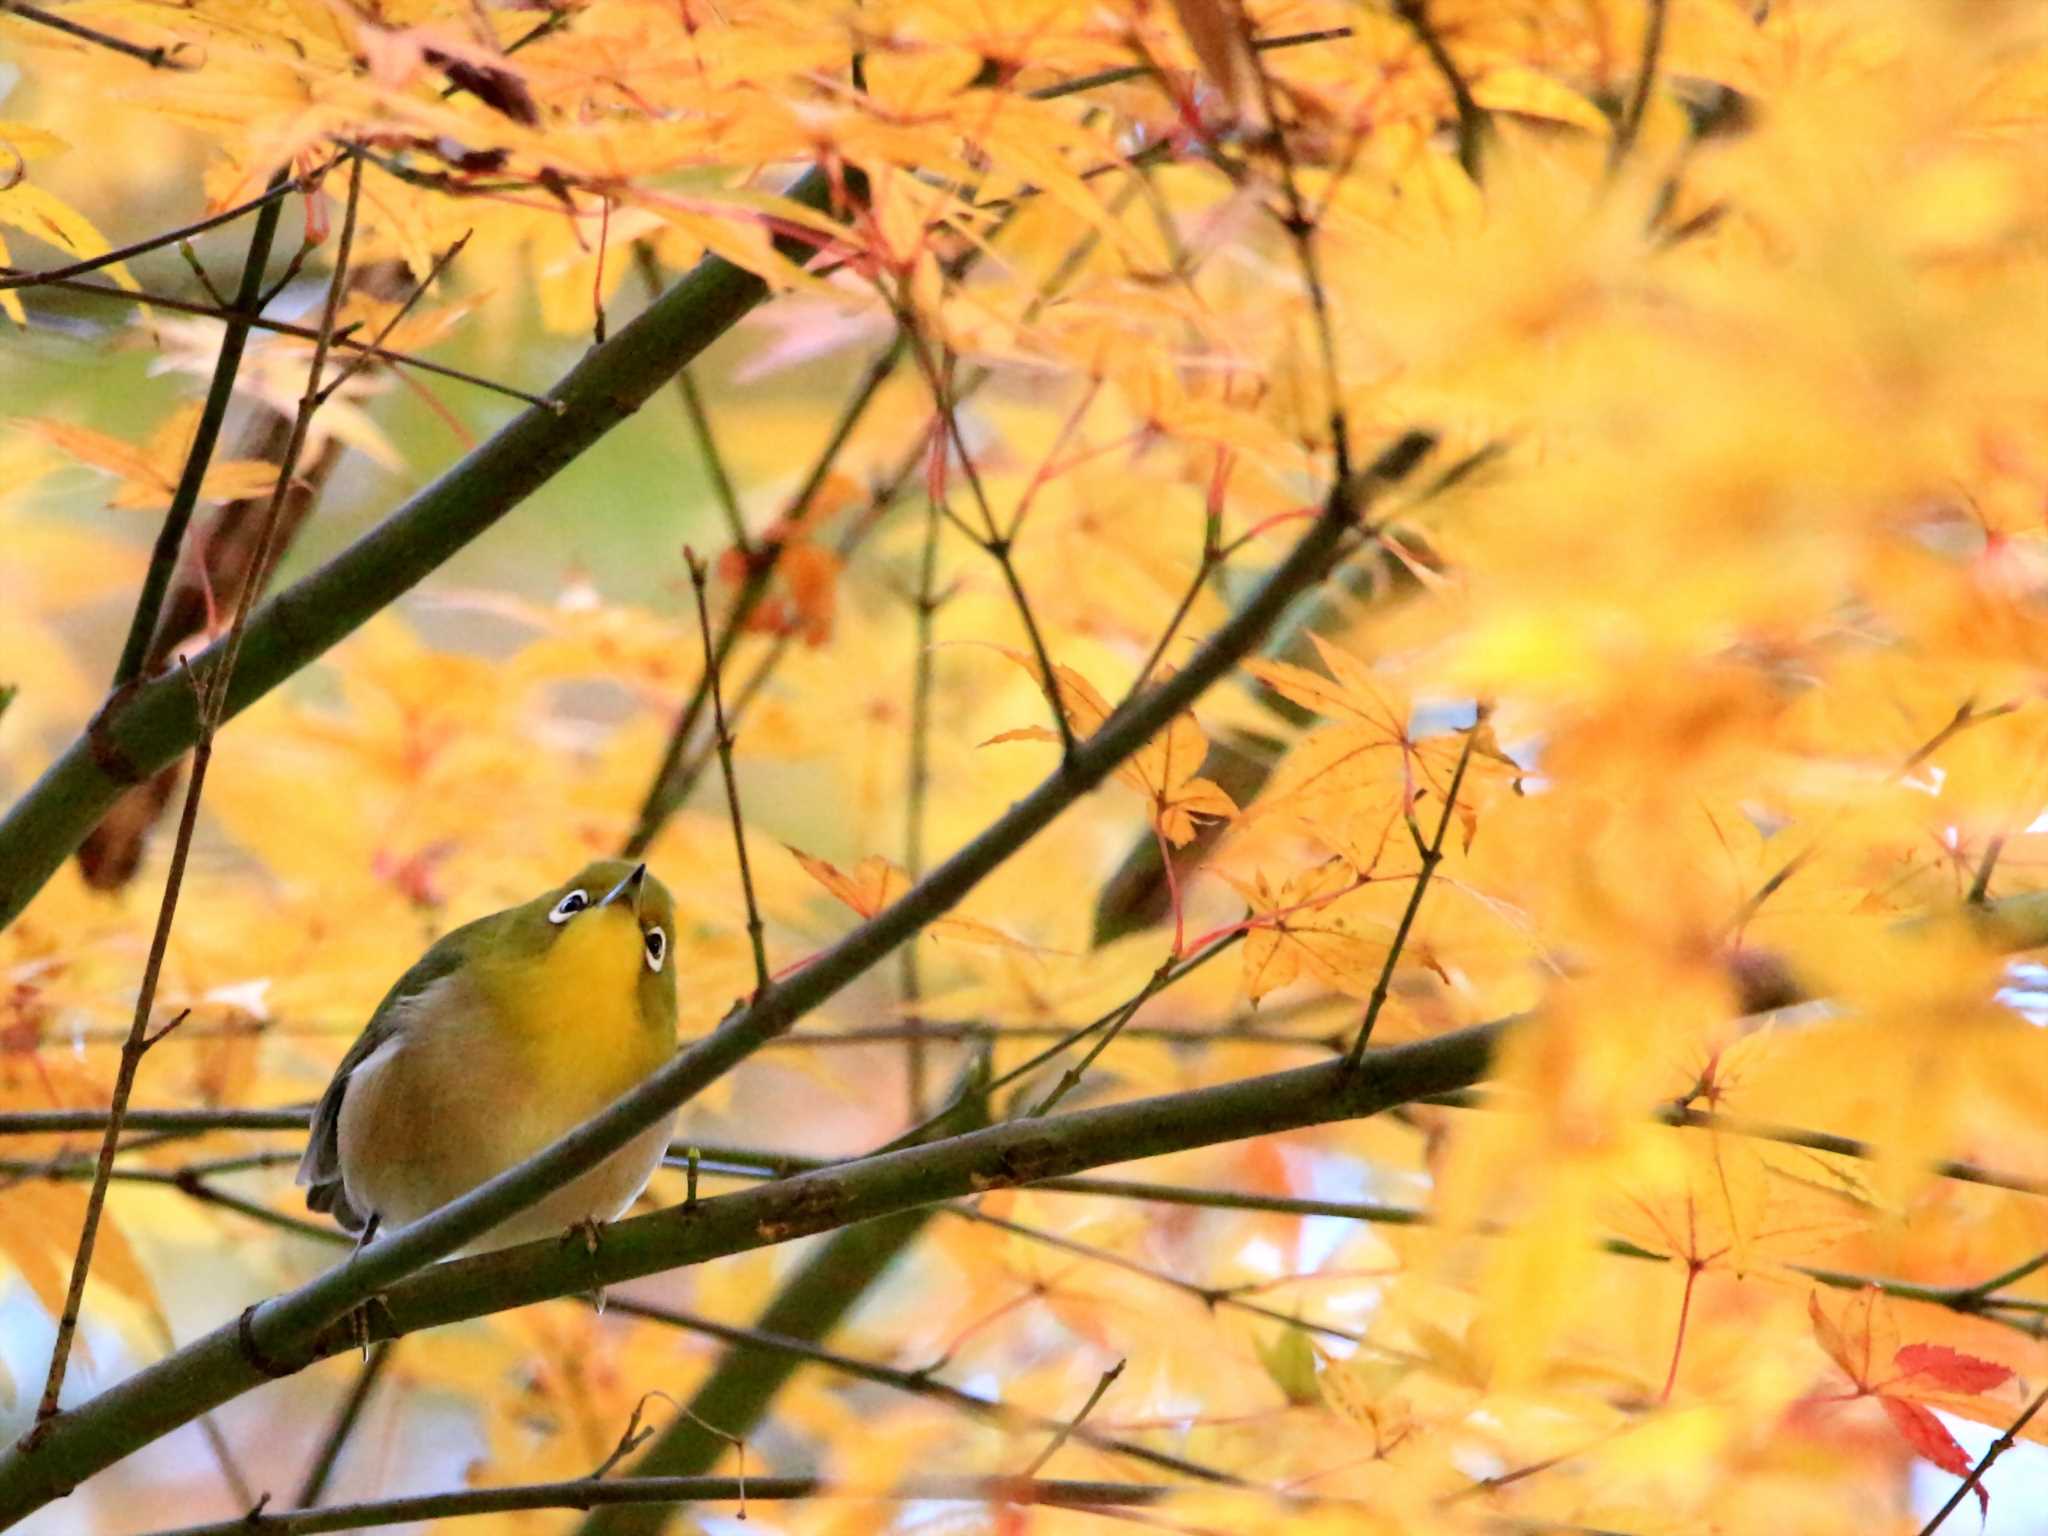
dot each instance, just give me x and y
(573, 1013)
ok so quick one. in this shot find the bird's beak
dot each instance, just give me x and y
(628, 890)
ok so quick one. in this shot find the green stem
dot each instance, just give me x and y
(170, 538)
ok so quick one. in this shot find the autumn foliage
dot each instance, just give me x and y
(1635, 800)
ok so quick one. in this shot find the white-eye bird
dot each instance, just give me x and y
(507, 1033)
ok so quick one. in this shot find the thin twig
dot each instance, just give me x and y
(223, 1454)
(213, 694)
(201, 275)
(1208, 1295)
(992, 542)
(698, 580)
(1992, 1452)
(339, 342)
(11, 278)
(671, 784)
(700, 421)
(920, 1383)
(588, 1493)
(1119, 75)
(1980, 886)
(1471, 117)
(1153, 986)
(1066, 1430)
(1432, 855)
(170, 539)
(1071, 1078)
(375, 347)
(158, 57)
(346, 1417)
(925, 604)
(674, 779)
(1646, 82)
(1301, 230)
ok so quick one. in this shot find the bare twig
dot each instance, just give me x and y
(700, 421)
(1646, 83)
(1110, 1020)
(1301, 229)
(1208, 1295)
(170, 539)
(917, 1383)
(732, 788)
(1071, 1078)
(589, 1493)
(992, 541)
(375, 348)
(213, 694)
(346, 1417)
(1471, 117)
(201, 275)
(1992, 1452)
(158, 57)
(926, 603)
(11, 278)
(671, 783)
(1431, 854)
(1980, 885)
(341, 341)
(1066, 1430)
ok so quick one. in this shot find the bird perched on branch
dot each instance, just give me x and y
(507, 1033)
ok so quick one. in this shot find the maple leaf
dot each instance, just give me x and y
(148, 475)
(28, 205)
(1311, 924)
(1351, 779)
(1900, 1376)
(1165, 770)
(875, 883)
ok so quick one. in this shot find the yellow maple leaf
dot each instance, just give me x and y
(875, 883)
(148, 473)
(1164, 770)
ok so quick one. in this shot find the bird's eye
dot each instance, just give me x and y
(568, 907)
(657, 948)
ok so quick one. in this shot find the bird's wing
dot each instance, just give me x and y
(320, 1168)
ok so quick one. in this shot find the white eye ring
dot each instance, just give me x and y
(657, 948)
(568, 907)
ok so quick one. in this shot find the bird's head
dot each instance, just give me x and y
(610, 926)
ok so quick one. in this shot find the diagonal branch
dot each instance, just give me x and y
(170, 538)
(210, 696)
(159, 57)
(156, 723)
(282, 1335)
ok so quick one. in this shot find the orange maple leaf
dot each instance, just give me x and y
(1164, 770)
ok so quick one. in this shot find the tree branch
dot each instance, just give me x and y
(149, 728)
(284, 1334)
(171, 537)
(589, 1493)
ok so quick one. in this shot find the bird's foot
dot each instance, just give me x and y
(360, 1323)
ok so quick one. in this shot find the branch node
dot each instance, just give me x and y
(254, 1353)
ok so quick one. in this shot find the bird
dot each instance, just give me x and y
(507, 1033)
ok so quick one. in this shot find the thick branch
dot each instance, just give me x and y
(231, 1360)
(284, 1334)
(143, 731)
